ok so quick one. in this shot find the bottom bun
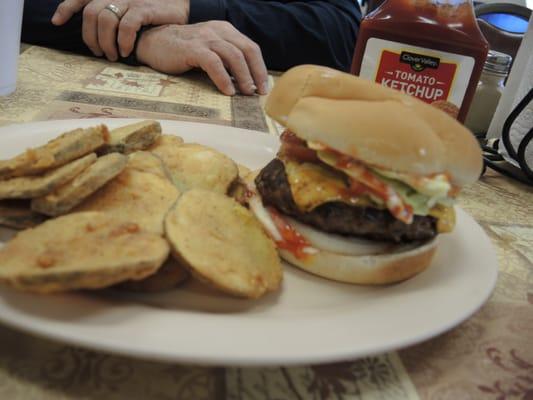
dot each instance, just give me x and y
(369, 270)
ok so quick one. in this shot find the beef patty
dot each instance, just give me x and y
(338, 217)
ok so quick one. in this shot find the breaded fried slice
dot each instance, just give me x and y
(80, 251)
(16, 214)
(68, 196)
(166, 140)
(130, 138)
(146, 161)
(59, 151)
(222, 244)
(135, 196)
(168, 277)
(193, 166)
(26, 187)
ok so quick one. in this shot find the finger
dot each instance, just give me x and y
(234, 59)
(107, 34)
(254, 59)
(66, 10)
(211, 63)
(89, 29)
(129, 25)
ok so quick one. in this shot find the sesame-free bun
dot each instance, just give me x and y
(377, 269)
(375, 124)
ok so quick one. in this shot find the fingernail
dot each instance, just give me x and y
(55, 19)
(263, 87)
(253, 88)
(231, 91)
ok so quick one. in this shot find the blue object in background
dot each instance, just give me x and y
(507, 22)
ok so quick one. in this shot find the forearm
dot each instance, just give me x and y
(293, 32)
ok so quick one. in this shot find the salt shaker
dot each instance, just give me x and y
(488, 91)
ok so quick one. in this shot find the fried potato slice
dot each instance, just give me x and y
(59, 151)
(166, 140)
(80, 251)
(130, 138)
(193, 165)
(16, 214)
(135, 196)
(168, 277)
(26, 187)
(148, 162)
(74, 192)
(222, 244)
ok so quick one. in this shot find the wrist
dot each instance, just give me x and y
(142, 47)
(184, 11)
(143, 44)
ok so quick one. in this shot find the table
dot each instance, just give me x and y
(490, 356)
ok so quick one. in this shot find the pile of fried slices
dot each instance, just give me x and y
(130, 207)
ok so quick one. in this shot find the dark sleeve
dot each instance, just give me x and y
(37, 28)
(290, 32)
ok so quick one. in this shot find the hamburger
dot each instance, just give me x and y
(365, 177)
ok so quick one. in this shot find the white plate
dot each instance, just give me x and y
(310, 320)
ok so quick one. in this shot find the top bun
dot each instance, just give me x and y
(373, 123)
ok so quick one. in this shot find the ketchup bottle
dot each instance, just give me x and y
(430, 49)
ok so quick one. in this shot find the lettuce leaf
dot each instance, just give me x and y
(421, 203)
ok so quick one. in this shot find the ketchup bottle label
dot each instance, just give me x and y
(430, 75)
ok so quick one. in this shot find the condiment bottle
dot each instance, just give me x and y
(431, 49)
(488, 92)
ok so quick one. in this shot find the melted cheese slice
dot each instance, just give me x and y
(445, 218)
(312, 185)
(362, 174)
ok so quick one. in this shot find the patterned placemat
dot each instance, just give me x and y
(59, 85)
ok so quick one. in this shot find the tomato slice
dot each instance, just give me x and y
(296, 149)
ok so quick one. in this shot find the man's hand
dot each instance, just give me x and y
(214, 46)
(102, 29)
